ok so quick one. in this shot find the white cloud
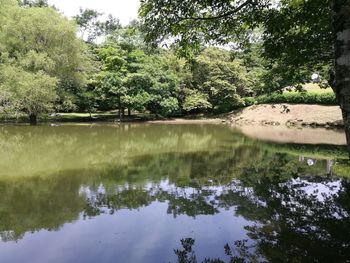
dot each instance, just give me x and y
(124, 10)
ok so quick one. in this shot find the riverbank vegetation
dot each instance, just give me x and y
(50, 64)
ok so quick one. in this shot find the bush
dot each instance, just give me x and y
(249, 101)
(299, 97)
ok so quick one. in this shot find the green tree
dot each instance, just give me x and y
(41, 47)
(258, 73)
(31, 92)
(220, 78)
(196, 101)
(163, 87)
(110, 80)
(88, 23)
(91, 27)
(133, 79)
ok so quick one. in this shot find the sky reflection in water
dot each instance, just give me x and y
(130, 194)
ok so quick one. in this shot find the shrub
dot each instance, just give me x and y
(299, 97)
(249, 101)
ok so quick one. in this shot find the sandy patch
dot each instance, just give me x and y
(289, 114)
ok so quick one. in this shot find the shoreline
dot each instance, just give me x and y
(290, 115)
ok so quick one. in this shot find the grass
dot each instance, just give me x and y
(99, 116)
(107, 116)
(314, 88)
(312, 94)
(293, 97)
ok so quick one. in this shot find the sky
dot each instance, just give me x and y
(124, 10)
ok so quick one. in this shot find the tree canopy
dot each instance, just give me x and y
(296, 36)
(42, 60)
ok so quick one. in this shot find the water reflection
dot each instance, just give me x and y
(299, 220)
(116, 202)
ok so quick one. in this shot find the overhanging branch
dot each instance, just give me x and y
(232, 12)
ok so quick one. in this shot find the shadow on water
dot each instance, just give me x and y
(285, 204)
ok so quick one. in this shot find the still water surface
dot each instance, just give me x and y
(131, 193)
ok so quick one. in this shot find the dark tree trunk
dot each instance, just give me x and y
(129, 112)
(33, 119)
(341, 83)
(120, 109)
(123, 112)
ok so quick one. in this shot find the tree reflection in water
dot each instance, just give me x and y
(299, 220)
(293, 215)
(238, 253)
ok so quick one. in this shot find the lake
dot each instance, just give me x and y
(173, 193)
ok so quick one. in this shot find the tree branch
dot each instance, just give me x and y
(237, 9)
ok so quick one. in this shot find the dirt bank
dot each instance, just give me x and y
(290, 115)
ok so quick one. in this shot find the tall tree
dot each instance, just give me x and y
(220, 78)
(91, 27)
(88, 22)
(341, 81)
(43, 62)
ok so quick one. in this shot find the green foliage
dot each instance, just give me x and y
(196, 101)
(249, 101)
(298, 40)
(88, 23)
(31, 92)
(321, 98)
(256, 66)
(290, 39)
(193, 23)
(91, 28)
(43, 62)
(126, 73)
(299, 97)
(131, 79)
(220, 78)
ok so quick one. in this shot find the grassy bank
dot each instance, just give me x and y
(314, 97)
(107, 116)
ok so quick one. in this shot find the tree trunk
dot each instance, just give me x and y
(341, 83)
(33, 119)
(129, 113)
(329, 165)
(123, 112)
(120, 109)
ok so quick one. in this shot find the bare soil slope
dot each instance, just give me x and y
(289, 114)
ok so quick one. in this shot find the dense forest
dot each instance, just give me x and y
(51, 63)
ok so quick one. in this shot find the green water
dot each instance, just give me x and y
(130, 193)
